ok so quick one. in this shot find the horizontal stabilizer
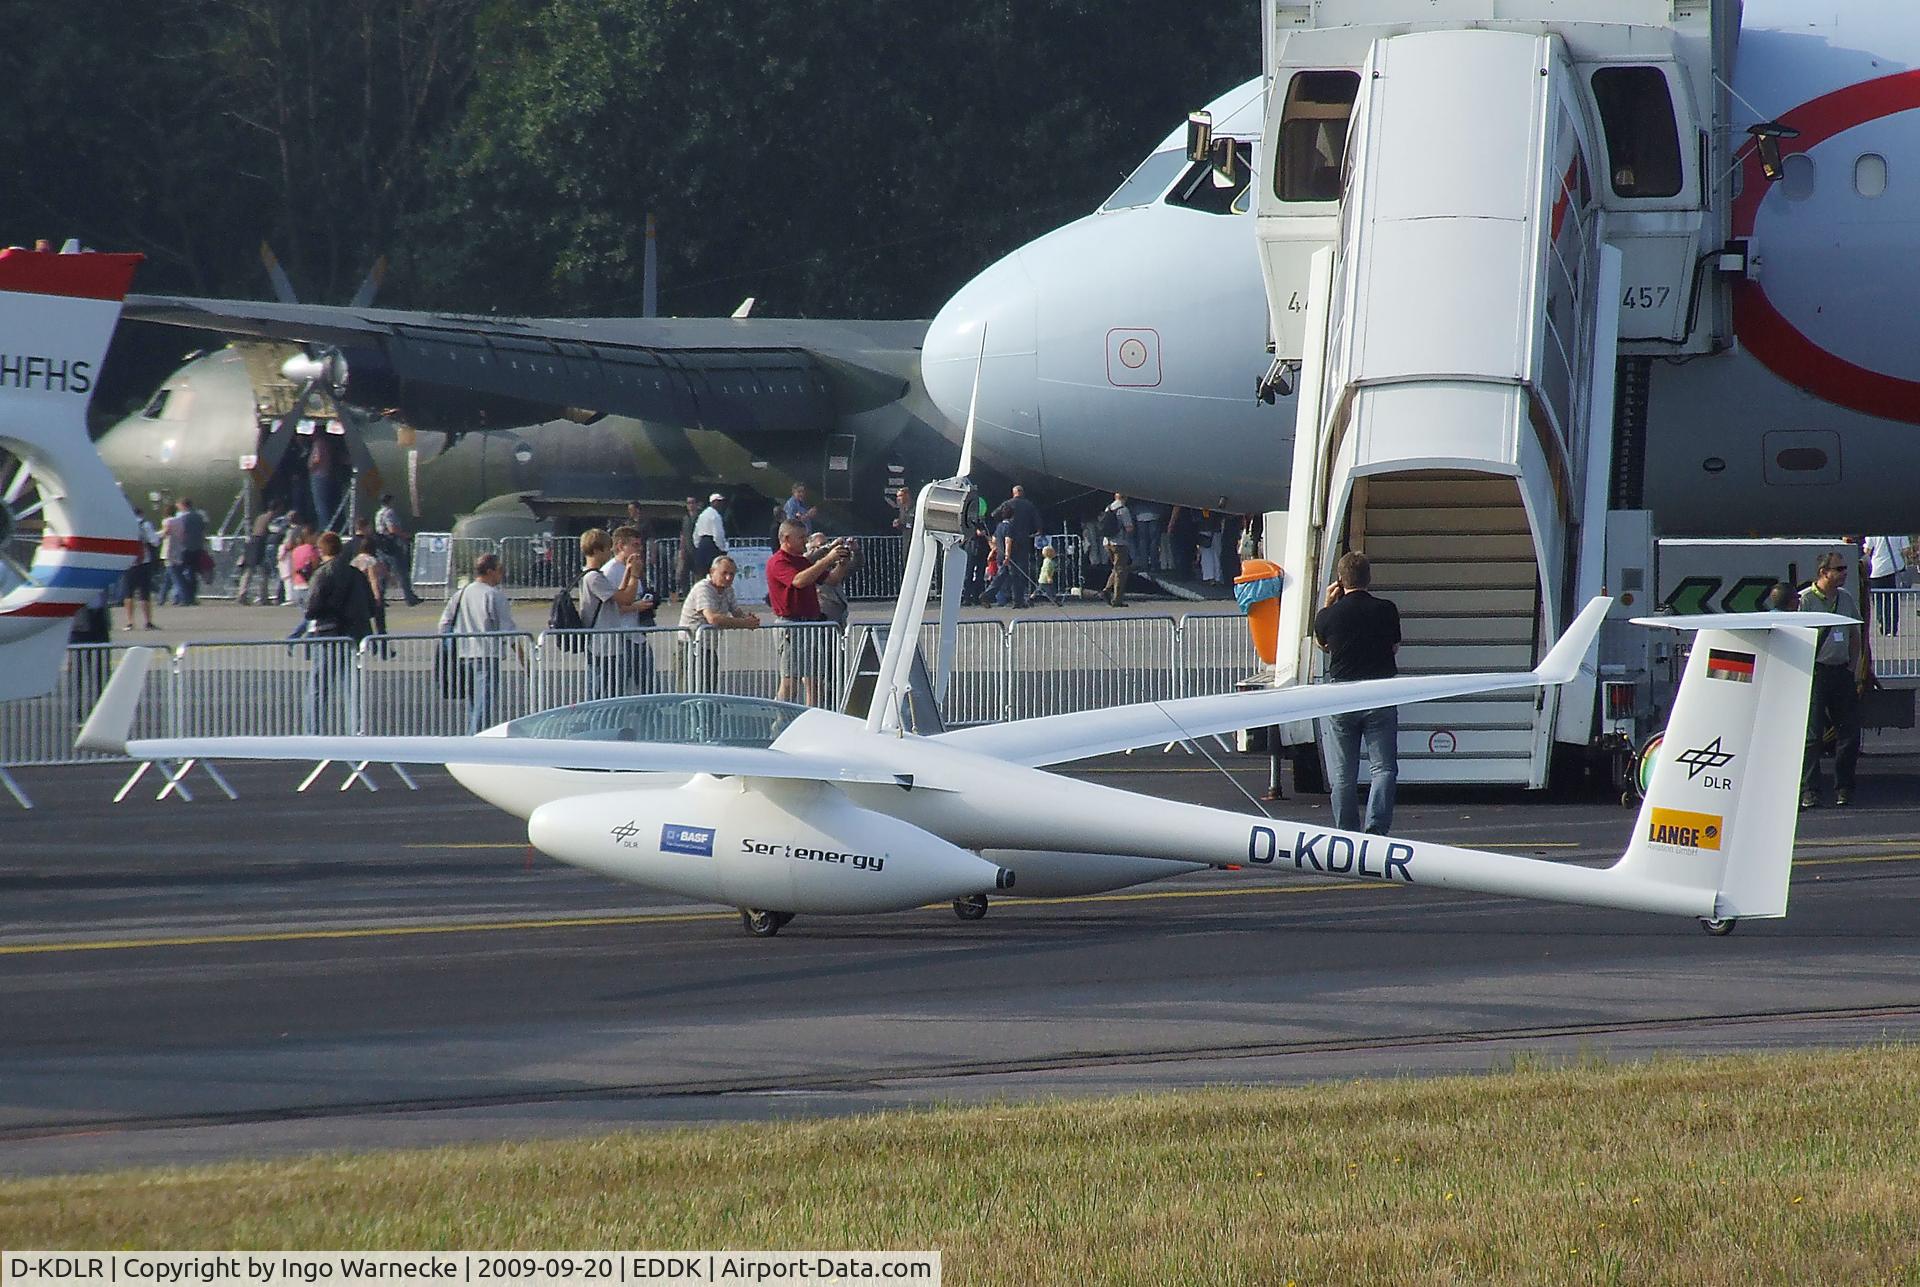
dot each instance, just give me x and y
(1747, 620)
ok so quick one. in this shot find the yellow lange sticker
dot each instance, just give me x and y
(1684, 830)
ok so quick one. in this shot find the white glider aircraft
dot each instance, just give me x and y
(780, 809)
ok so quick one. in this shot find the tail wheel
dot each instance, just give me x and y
(1719, 928)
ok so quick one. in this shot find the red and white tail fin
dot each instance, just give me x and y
(1720, 813)
(57, 315)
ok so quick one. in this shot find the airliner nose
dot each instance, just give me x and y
(1007, 424)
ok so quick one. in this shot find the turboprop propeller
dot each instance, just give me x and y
(320, 370)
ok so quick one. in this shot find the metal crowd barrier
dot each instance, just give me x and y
(416, 685)
(1058, 666)
(1893, 632)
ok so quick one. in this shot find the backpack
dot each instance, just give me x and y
(565, 615)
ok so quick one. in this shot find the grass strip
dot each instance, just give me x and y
(1802, 1167)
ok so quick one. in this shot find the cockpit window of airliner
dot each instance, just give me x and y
(1313, 135)
(1196, 189)
(1643, 142)
(1147, 181)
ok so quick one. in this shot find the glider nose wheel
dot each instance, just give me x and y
(1718, 928)
(970, 908)
(763, 924)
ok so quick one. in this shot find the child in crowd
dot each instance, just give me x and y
(1050, 574)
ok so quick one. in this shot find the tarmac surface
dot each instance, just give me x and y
(182, 982)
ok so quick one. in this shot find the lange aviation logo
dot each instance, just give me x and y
(1702, 758)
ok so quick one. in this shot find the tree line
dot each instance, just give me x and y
(844, 158)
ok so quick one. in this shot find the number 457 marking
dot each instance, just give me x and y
(1646, 297)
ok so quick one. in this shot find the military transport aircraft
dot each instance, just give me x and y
(780, 809)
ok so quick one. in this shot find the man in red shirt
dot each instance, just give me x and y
(792, 590)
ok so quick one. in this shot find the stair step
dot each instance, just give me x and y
(1489, 574)
(1479, 711)
(1405, 492)
(1463, 658)
(1504, 520)
(1391, 551)
(1436, 602)
(1512, 629)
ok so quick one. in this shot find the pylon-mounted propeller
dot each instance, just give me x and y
(320, 370)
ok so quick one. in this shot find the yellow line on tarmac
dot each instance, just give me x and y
(595, 922)
(667, 918)
(1850, 859)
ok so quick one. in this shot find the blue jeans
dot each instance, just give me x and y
(483, 680)
(1344, 735)
(330, 689)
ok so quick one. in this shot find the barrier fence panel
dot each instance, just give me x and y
(1077, 665)
(749, 663)
(587, 665)
(1894, 633)
(1216, 653)
(266, 688)
(978, 692)
(40, 730)
(404, 689)
(432, 558)
(461, 553)
(539, 565)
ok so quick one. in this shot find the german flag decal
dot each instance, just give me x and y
(1684, 830)
(1723, 663)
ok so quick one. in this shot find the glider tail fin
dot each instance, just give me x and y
(1722, 807)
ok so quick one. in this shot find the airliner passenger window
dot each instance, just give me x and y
(1643, 142)
(1147, 182)
(1313, 135)
(1196, 189)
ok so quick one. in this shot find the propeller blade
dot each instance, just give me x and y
(650, 273)
(973, 405)
(282, 288)
(365, 470)
(17, 484)
(363, 298)
(952, 575)
(273, 449)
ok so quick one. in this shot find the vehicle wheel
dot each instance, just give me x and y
(970, 908)
(763, 924)
(1718, 928)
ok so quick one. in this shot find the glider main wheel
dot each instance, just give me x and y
(1718, 928)
(763, 924)
(970, 908)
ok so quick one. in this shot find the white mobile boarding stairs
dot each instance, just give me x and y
(1449, 219)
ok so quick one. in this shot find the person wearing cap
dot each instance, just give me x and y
(1835, 699)
(709, 534)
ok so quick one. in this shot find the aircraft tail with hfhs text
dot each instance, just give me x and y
(57, 315)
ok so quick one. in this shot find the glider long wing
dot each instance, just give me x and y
(107, 728)
(1058, 739)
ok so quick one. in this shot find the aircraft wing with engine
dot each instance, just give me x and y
(747, 376)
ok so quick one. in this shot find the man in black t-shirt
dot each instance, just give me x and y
(1360, 634)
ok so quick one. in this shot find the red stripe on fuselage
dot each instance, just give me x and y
(84, 276)
(42, 609)
(1761, 327)
(88, 544)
